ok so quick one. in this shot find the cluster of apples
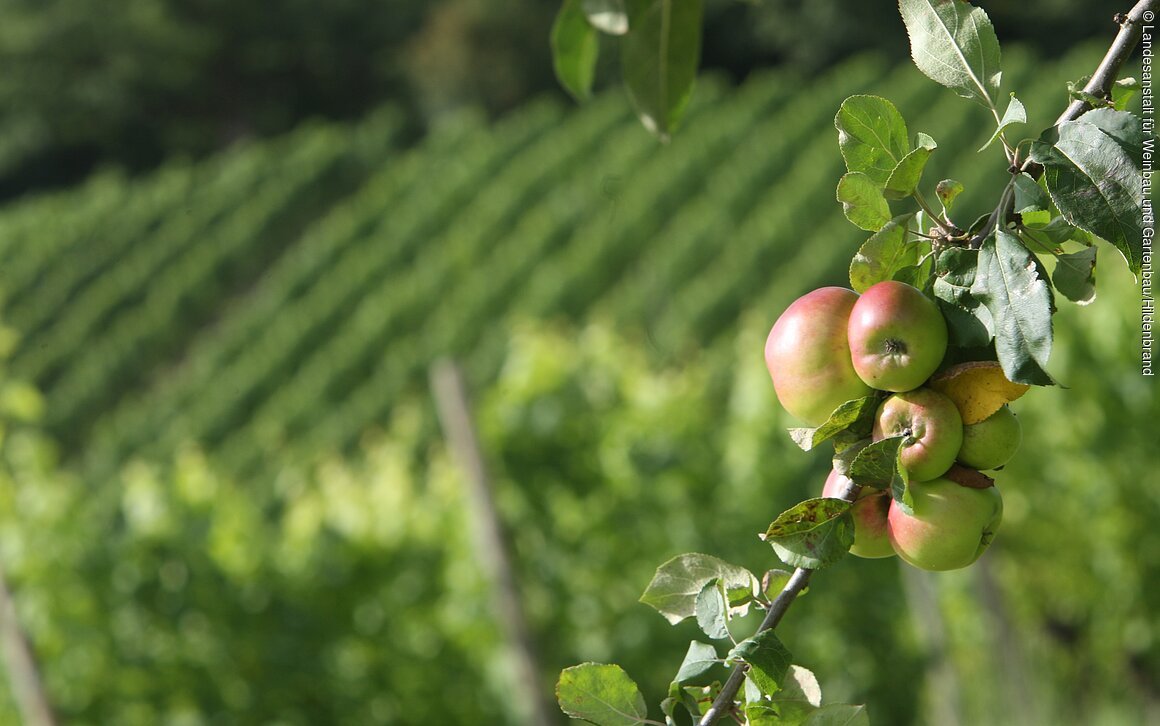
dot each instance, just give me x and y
(833, 345)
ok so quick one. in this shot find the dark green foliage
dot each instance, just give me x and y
(88, 86)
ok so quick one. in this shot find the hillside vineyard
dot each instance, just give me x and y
(227, 303)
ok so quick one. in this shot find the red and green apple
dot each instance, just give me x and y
(931, 426)
(991, 442)
(897, 336)
(951, 526)
(809, 358)
(871, 539)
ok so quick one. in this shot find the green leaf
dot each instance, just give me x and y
(1015, 114)
(740, 598)
(954, 44)
(710, 611)
(699, 659)
(845, 453)
(1076, 90)
(1041, 272)
(1057, 231)
(799, 696)
(1075, 275)
(669, 708)
(674, 588)
(1035, 218)
(855, 416)
(693, 698)
(915, 275)
(1123, 91)
(839, 714)
(862, 201)
(900, 487)
(947, 190)
(574, 50)
(600, 694)
(659, 57)
(877, 465)
(812, 534)
(1094, 176)
(969, 326)
(774, 581)
(957, 266)
(885, 253)
(792, 705)
(1123, 127)
(980, 222)
(1008, 282)
(608, 16)
(1029, 196)
(872, 136)
(763, 713)
(768, 660)
(906, 175)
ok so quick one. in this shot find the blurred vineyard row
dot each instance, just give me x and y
(236, 507)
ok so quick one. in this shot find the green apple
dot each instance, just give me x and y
(871, 539)
(951, 526)
(931, 425)
(808, 356)
(897, 336)
(992, 442)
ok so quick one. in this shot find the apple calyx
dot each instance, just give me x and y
(986, 537)
(894, 346)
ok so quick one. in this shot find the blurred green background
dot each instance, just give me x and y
(235, 237)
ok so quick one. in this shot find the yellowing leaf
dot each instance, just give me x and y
(978, 388)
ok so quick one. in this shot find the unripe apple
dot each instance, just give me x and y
(897, 336)
(871, 539)
(808, 356)
(931, 426)
(991, 442)
(951, 526)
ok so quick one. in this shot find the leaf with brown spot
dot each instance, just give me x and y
(812, 534)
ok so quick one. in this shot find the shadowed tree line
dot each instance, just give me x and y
(85, 87)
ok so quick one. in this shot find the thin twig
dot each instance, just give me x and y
(1101, 82)
(723, 704)
(1002, 211)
